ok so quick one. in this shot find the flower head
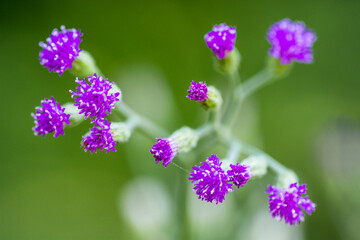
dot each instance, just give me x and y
(100, 137)
(288, 204)
(221, 40)
(198, 91)
(50, 117)
(210, 180)
(291, 41)
(164, 150)
(239, 174)
(60, 49)
(95, 99)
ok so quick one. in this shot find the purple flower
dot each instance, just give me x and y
(95, 99)
(210, 180)
(60, 49)
(197, 91)
(238, 174)
(164, 150)
(288, 204)
(221, 40)
(50, 117)
(291, 41)
(100, 137)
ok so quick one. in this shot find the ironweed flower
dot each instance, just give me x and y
(198, 91)
(95, 98)
(60, 50)
(164, 150)
(239, 174)
(100, 137)
(291, 41)
(50, 117)
(288, 204)
(210, 180)
(221, 40)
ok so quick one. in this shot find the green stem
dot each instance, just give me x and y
(253, 84)
(251, 150)
(204, 130)
(233, 153)
(183, 226)
(143, 123)
(242, 91)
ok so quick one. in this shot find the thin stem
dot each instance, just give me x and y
(204, 130)
(147, 126)
(183, 226)
(251, 150)
(253, 84)
(233, 153)
(242, 91)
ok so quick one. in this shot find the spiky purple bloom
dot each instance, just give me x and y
(288, 204)
(239, 174)
(291, 41)
(100, 137)
(50, 117)
(94, 97)
(210, 180)
(221, 39)
(197, 91)
(164, 150)
(60, 49)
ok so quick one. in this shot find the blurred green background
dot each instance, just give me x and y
(310, 121)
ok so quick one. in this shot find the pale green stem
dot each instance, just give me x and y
(253, 84)
(251, 150)
(242, 91)
(143, 123)
(234, 153)
(204, 130)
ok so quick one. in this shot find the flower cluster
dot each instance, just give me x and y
(100, 137)
(50, 117)
(212, 182)
(291, 41)
(288, 204)
(164, 150)
(60, 49)
(239, 174)
(221, 40)
(95, 100)
(198, 91)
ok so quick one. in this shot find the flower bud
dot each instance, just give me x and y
(257, 164)
(229, 64)
(121, 132)
(75, 117)
(185, 138)
(84, 65)
(213, 100)
(278, 70)
(286, 179)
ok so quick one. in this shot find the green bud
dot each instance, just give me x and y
(185, 138)
(121, 132)
(84, 65)
(278, 70)
(214, 100)
(286, 178)
(229, 64)
(75, 117)
(257, 164)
